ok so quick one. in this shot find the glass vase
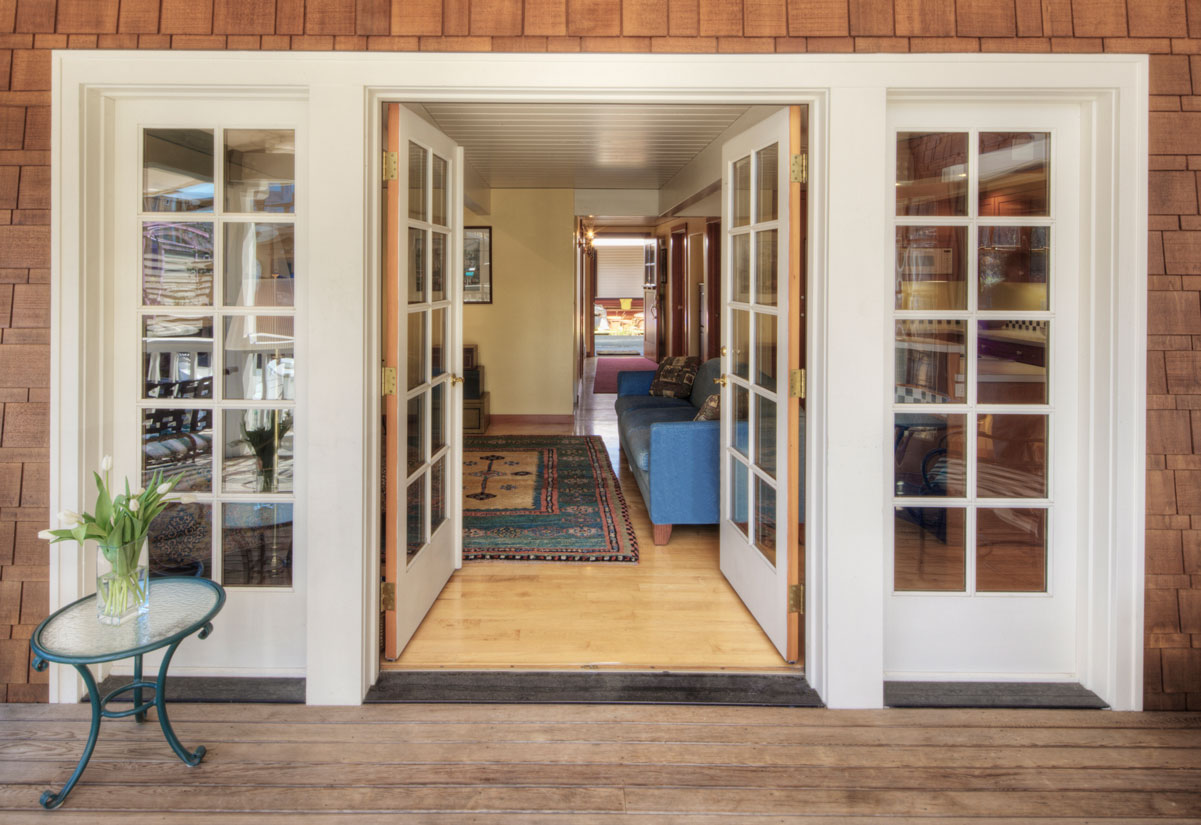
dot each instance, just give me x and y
(122, 582)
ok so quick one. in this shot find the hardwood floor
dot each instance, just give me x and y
(671, 610)
(594, 764)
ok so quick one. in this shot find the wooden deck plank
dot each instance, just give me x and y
(525, 818)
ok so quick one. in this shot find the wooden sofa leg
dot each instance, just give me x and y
(662, 533)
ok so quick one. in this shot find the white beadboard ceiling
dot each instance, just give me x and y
(579, 146)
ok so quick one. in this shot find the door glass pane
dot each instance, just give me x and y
(1011, 550)
(438, 352)
(739, 493)
(932, 173)
(765, 520)
(416, 266)
(179, 441)
(765, 267)
(260, 358)
(416, 353)
(742, 268)
(415, 517)
(258, 451)
(929, 452)
(438, 267)
(740, 340)
(177, 356)
(765, 351)
(928, 548)
(930, 361)
(742, 191)
(256, 544)
(767, 204)
(181, 541)
(415, 433)
(177, 264)
(1011, 456)
(260, 170)
(1013, 267)
(437, 418)
(740, 419)
(177, 170)
(437, 494)
(765, 435)
(1015, 173)
(417, 182)
(260, 264)
(1012, 362)
(931, 267)
(440, 192)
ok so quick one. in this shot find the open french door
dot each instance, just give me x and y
(422, 388)
(762, 337)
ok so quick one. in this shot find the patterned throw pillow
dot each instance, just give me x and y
(710, 410)
(674, 377)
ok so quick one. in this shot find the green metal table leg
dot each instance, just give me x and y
(193, 758)
(50, 799)
(137, 692)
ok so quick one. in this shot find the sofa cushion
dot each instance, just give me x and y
(625, 403)
(635, 429)
(675, 376)
(710, 410)
(705, 383)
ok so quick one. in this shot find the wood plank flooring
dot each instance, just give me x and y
(591, 764)
(672, 610)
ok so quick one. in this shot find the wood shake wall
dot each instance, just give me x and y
(1168, 30)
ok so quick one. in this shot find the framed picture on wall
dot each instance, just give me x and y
(470, 356)
(477, 264)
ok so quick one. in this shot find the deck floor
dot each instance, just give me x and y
(589, 764)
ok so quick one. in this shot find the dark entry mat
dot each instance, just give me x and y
(595, 687)
(1047, 695)
(218, 689)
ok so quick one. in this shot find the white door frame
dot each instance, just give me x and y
(847, 474)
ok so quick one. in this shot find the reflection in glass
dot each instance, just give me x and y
(928, 549)
(740, 340)
(1013, 267)
(437, 494)
(765, 520)
(929, 455)
(932, 173)
(765, 351)
(256, 544)
(1015, 173)
(415, 518)
(739, 493)
(415, 433)
(437, 418)
(742, 268)
(416, 266)
(1011, 550)
(416, 353)
(260, 264)
(931, 264)
(181, 541)
(260, 170)
(766, 267)
(438, 351)
(439, 192)
(765, 435)
(742, 191)
(179, 441)
(417, 182)
(1011, 456)
(1012, 362)
(177, 264)
(767, 169)
(177, 170)
(930, 361)
(438, 267)
(260, 358)
(258, 451)
(177, 356)
(740, 418)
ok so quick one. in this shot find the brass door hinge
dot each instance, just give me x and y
(796, 383)
(387, 381)
(387, 596)
(391, 166)
(799, 168)
(796, 598)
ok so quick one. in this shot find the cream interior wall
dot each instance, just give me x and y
(525, 334)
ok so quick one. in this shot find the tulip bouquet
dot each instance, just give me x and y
(119, 526)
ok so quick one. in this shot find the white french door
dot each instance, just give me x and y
(423, 352)
(987, 545)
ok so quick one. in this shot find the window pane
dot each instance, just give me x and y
(928, 549)
(438, 267)
(416, 353)
(739, 493)
(260, 264)
(181, 541)
(258, 451)
(440, 192)
(260, 358)
(765, 351)
(740, 340)
(742, 268)
(1011, 456)
(415, 433)
(1013, 267)
(437, 494)
(1011, 550)
(765, 435)
(418, 159)
(260, 170)
(415, 520)
(768, 169)
(438, 352)
(742, 191)
(177, 170)
(931, 264)
(765, 520)
(177, 356)
(765, 267)
(1012, 365)
(740, 419)
(930, 362)
(1015, 173)
(177, 264)
(256, 544)
(179, 441)
(932, 173)
(416, 266)
(929, 452)
(437, 417)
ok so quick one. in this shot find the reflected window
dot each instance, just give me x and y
(177, 264)
(260, 170)
(177, 170)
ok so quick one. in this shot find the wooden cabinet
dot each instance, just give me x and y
(475, 414)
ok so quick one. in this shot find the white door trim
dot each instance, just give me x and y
(849, 95)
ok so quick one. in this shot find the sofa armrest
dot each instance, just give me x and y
(685, 472)
(635, 383)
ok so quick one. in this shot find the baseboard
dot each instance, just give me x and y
(1043, 695)
(532, 419)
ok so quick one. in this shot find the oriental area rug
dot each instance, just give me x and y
(543, 498)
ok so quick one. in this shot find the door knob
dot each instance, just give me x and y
(724, 351)
(722, 380)
(456, 379)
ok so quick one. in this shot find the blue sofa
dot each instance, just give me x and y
(674, 459)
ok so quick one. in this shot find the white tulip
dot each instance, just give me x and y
(106, 463)
(163, 488)
(134, 504)
(45, 534)
(139, 491)
(69, 517)
(187, 498)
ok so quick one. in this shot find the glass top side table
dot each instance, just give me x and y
(73, 636)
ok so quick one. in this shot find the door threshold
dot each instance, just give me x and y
(243, 690)
(1042, 695)
(756, 689)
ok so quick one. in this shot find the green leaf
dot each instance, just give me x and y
(104, 505)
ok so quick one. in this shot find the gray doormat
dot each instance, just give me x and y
(595, 687)
(1047, 695)
(218, 689)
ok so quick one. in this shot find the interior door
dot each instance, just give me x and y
(422, 356)
(758, 481)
